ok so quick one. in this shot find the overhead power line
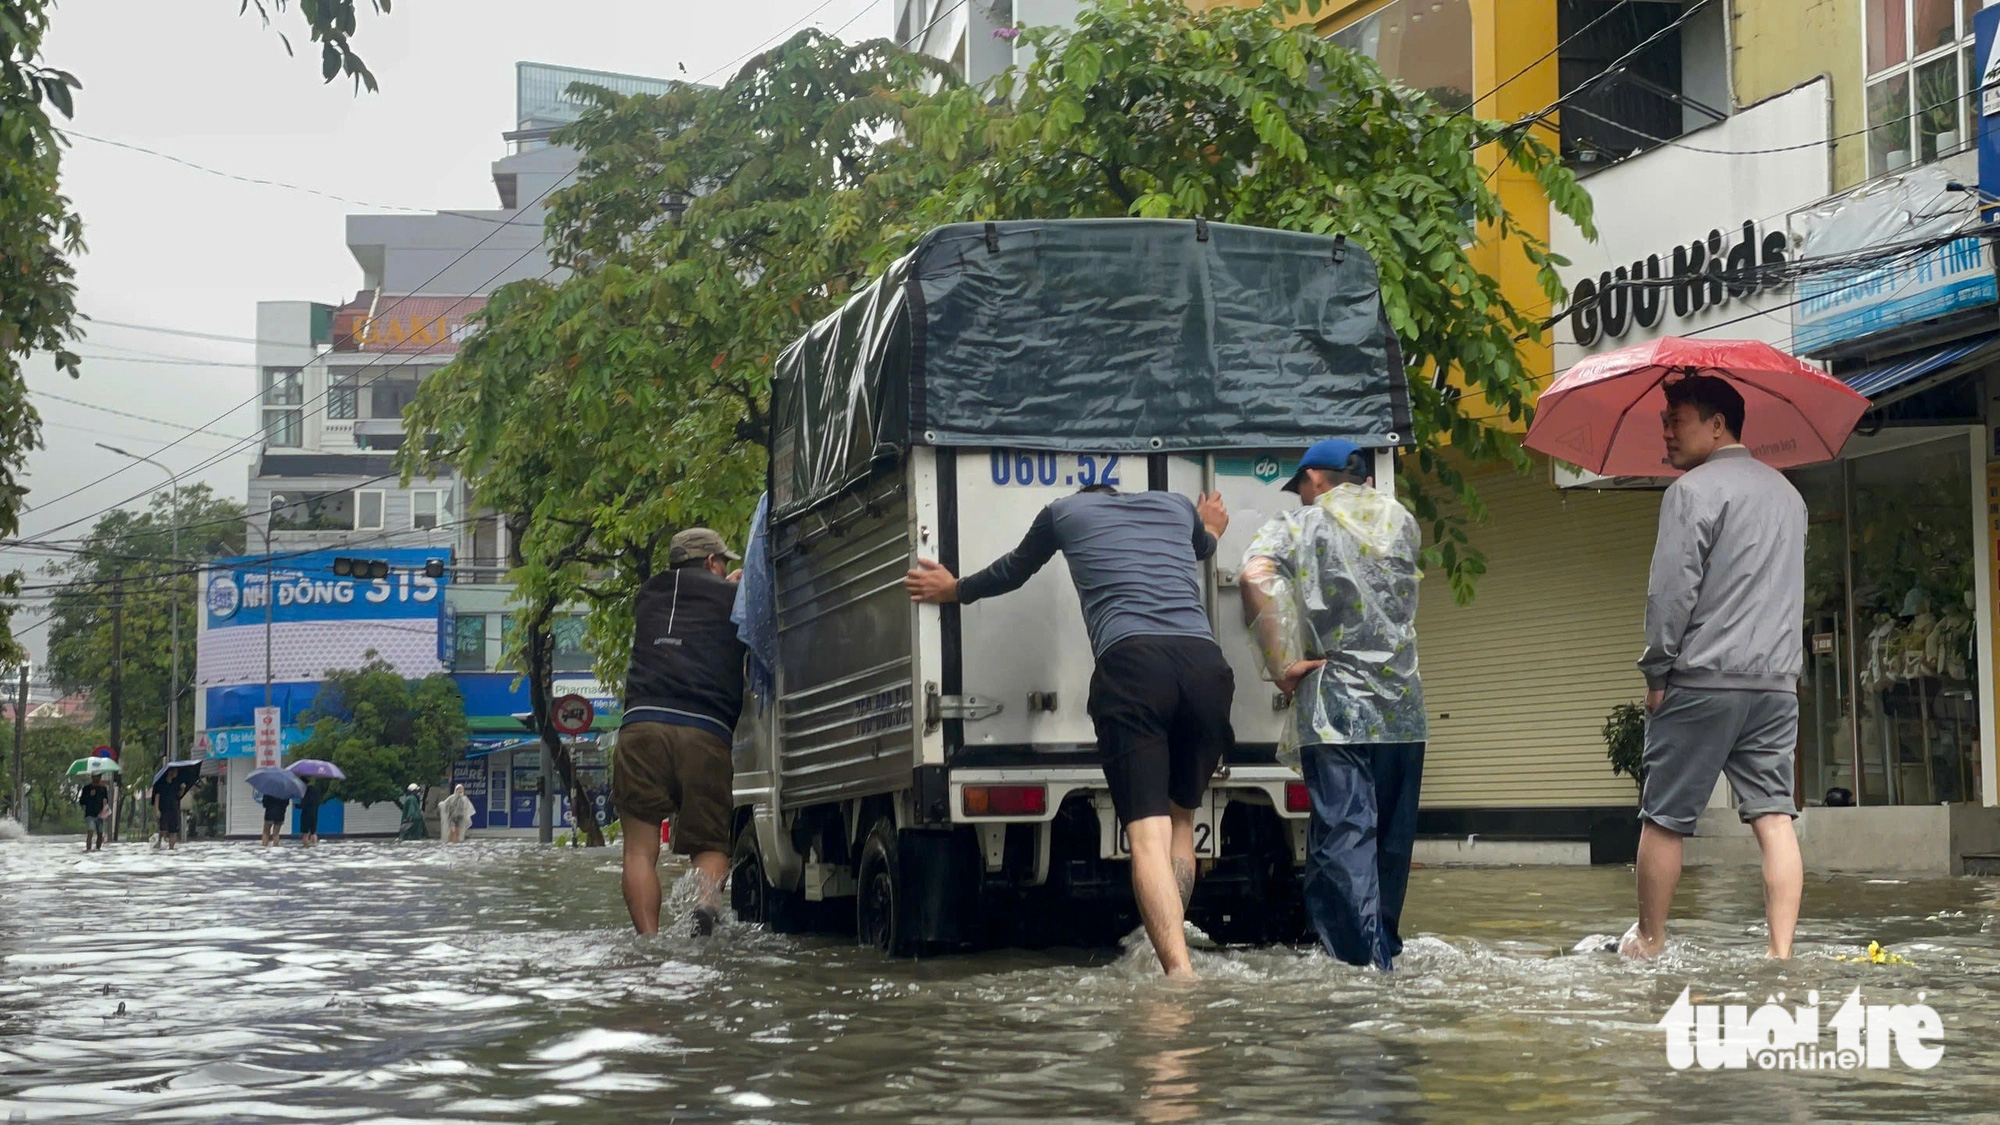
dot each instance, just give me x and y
(262, 182)
(467, 252)
(149, 360)
(138, 417)
(766, 44)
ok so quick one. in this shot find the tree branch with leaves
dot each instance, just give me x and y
(1245, 115)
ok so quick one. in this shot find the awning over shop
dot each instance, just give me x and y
(1893, 374)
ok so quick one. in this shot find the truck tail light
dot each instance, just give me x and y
(1296, 799)
(1006, 800)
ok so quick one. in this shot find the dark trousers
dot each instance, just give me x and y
(1364, 827)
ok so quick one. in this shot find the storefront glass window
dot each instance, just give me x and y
(1890, 701)
(1826, 752)
(1888, 37)
(1913, 600)
(469, 644)
(1938, 107)
(1422, 44)
(1917, 104)
(570, 655)
(1889, 124)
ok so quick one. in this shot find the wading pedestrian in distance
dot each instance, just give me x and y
(455, 813)
(274, 819)
(93, 799)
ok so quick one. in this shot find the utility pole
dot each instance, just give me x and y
(21, 751)
(270, 599)
(118, 701)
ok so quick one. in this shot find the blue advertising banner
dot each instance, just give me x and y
(1851, 304)
(240, 742)
(307, 589)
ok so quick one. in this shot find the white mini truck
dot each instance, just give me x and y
(926, 776)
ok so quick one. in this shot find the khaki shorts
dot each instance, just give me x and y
(663, 771)
(1698, 735)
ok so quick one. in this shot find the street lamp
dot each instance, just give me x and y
(174, 678)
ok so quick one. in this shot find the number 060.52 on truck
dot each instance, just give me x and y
(927, 775)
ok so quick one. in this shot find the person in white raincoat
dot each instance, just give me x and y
(456, 813)
(1331, 592)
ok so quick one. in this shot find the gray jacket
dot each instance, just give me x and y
(1725, 606)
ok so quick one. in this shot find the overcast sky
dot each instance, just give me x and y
(176, 248)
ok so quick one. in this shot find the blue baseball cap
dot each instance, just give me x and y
(1333, 453)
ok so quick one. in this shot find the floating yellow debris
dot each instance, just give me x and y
(1878, 956)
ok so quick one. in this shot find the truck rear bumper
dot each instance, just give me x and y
(1255, 783)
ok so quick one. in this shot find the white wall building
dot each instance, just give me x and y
(962, 32)
(335, 382)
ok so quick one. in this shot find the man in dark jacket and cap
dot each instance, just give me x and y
(683, 693)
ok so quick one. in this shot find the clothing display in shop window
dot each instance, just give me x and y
(1929, 645)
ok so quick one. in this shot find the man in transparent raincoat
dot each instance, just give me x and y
(1331, 591)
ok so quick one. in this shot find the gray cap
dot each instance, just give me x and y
(697, 543)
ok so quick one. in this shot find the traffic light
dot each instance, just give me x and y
(360, 568)
(433, 568)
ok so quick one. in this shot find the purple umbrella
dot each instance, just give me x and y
(314, 767)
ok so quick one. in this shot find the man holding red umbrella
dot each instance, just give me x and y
(1726, 598)
(1723, 655)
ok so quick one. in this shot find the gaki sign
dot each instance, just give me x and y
(304, 588)
(1706, 273)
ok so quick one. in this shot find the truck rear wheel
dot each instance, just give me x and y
(881, 911)
(752, 896)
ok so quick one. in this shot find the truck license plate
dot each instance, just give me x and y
(1207, 830)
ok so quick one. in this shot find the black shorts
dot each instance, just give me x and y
(1161, 708)
(308, 821)
(170, 818)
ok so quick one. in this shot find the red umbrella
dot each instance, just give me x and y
(1603, 414)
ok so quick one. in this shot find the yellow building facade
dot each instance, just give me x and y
(1728, 123)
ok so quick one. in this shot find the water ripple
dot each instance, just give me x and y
(372, 982)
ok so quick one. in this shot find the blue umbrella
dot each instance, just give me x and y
(276, 783)
(196, 766)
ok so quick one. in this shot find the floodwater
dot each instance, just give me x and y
(495, 982)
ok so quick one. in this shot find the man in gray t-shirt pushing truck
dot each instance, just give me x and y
(1161, 694)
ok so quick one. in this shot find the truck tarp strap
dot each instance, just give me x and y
(992, 238)
(1200, 229)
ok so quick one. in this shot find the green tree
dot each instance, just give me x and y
(384, 732)
(603, 412)
(1246, 116)
(52, 746)
(40, 233)
(126, 567)
(331, 24)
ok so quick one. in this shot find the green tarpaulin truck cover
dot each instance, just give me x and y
(1090, 335)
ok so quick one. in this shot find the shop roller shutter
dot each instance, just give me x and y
(1518, 684)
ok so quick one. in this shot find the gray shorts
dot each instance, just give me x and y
(1698, 734)
(94, 824)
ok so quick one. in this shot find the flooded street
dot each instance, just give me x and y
(496, 982)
